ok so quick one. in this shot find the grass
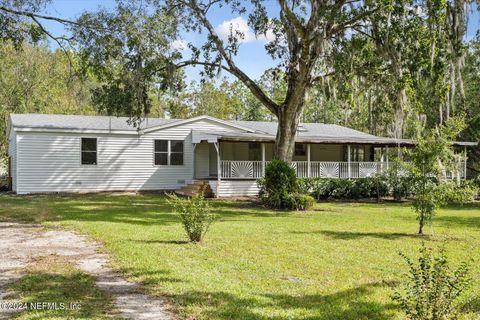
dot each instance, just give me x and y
(338, 261)
(53, 280)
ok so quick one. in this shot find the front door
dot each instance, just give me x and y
(213, 160)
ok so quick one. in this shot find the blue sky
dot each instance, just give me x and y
(251, 58)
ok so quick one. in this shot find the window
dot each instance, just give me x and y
(300, 149)
(176, 152)
(168, 152)
(89, 151)
(254, 151)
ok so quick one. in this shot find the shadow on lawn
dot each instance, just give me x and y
(347, 304)
(150, 276)
(66, 287)
(457, 221)
(349, 235)
(162, 241)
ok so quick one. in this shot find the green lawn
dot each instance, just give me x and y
(53, 279)
(338, 261)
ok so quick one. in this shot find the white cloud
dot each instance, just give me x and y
(240, 25)
(178, 44)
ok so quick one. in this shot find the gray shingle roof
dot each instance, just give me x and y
(74, 122)
(318, 132)
(307, 129)
(56, 121)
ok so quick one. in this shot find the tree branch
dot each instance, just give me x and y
(292, 18)
(322, 76)
(350, 23)
(233, 69)
(51, 18)
(194, 63)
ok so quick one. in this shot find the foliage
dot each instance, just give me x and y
(431, 157)
(129, 51)
(34, 79)
(329, 188)
(297, 201)
(279, 188)
(195, 213)
(432, 288)
(401, 186)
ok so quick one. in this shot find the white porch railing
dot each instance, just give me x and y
(231, 169)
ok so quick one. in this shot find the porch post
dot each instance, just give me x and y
(308, 161)
(263, 158)
(386, 155)
(219, 167)
(193, 159)
(348, 162)
(465, 163)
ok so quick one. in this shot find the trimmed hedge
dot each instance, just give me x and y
(372, 187)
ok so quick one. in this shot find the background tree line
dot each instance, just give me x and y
(391, 66)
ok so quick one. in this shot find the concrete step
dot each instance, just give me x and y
(194, 189)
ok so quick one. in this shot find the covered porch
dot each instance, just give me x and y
(237, 160)
(240, 160)
(233, 162)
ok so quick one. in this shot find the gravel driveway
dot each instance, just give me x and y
(21, 243)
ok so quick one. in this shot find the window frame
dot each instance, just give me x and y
(169, 153)
(96, 152)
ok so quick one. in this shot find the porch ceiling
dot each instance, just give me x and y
(212, 137)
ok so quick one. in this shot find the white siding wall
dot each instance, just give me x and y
(233, 188)
(49, 162)
(12, 153)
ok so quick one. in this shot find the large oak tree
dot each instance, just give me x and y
(302, 33)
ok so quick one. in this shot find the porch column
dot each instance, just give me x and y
(193, 160)
(219, 168)
(263, 158)
(308, 161)
(349, 169)
(386, 155)
(465, 163)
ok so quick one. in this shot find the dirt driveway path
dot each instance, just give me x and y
(20, 243)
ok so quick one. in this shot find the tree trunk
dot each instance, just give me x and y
(288, 120)
(421, 224)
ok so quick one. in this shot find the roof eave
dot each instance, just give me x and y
(70, 130)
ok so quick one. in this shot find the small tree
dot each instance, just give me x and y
(432, 289)
(195, 213)
(431, 157)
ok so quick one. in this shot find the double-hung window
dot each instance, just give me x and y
(168, 152)
(89, 151)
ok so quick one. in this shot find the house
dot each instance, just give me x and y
(66, 153)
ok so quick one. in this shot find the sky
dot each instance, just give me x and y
(251, 57)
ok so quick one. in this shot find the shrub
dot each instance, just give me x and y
(432, 289)
(400, 187)
(298, 201)
(454, 193)
(195, 214)
(279, 189)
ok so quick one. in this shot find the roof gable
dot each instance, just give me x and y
(192, 120)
